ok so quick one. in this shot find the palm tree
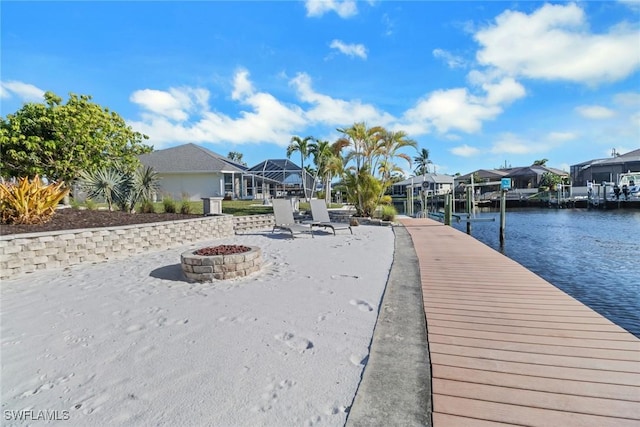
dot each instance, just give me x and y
(363, 141)
(321, 151)
(373, 151)
(541, 162)
(365, 145)
(422, 162)
(390, 143)
(334, 166)
(302, 146)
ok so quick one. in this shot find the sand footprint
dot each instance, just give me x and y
(47, 386)
(298, 344)
(135, 328)
(361, 305)
(271, 394)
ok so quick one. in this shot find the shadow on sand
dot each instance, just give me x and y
(169, 272)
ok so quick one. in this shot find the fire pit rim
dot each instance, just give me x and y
(206, 268)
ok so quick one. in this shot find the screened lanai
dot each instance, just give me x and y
(281, 178)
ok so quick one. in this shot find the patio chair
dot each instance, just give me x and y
(283, 212)
(321, 218)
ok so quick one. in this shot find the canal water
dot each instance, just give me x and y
(593, 255)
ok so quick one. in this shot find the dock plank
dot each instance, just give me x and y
(576, 387)
(509, 348)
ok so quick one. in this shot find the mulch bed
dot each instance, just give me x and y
(71, 219)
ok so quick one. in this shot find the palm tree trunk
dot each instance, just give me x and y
(304, 177)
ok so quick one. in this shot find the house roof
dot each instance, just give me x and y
(189, 158)
(429, 177)
(631, 156)
(534, 170)
(281, 170)
(485, 174)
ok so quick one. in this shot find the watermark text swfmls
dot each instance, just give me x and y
(31, 415)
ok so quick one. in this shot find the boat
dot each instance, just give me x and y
(627, 188)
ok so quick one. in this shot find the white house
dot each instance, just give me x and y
(193, 172)
(432, 183)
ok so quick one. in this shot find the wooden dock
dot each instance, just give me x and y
(509, 348)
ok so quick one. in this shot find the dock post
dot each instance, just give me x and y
(503, 214)
(448, 211)
(469, 208)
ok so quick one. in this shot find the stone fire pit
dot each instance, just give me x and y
(220, 262)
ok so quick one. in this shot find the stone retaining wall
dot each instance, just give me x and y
(253, 222)
(25, 253)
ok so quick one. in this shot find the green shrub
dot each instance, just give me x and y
(147, 206)
(75, 204)
(169, 205)
(90, 204)
(388, 212)
(185, 207)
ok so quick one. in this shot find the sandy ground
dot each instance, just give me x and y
(130, 342)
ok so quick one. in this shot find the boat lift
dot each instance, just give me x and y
(468, 217)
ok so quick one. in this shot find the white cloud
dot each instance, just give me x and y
(561, 136)
(241, 85)
(504, 92)
(452, 60)
(632, 4)
(332, 111)
(554, 43)
(388, 25)
(595, 112)
(627, 99)
(457, 109)
(160, 102)
(344, 8)
(352, 50)
(266, 120)
(26, 92)
(510, 143)
(464, 151)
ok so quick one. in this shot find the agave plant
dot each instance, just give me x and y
(119, 187)
(140, 187)
(29, 202)
(105, 183)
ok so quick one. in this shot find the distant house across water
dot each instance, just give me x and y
(522, 178)
(605, 170)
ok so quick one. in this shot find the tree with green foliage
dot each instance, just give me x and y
(59, 141)
(391, 142)
(540, 162)
(236, 156)
(358, 177)
(422, 162)
(300, 145)
(550, 181)
(373, 152)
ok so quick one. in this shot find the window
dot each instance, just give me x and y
(228, 183)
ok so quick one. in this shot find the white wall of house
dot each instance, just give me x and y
(193, 185)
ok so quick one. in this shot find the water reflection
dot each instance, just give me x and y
(594, 256)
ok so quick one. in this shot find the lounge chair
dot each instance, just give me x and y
(321, 218)
(283, 212)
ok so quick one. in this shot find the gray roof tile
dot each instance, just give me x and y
(189, 158)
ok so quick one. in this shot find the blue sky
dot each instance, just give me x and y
(480, 84)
